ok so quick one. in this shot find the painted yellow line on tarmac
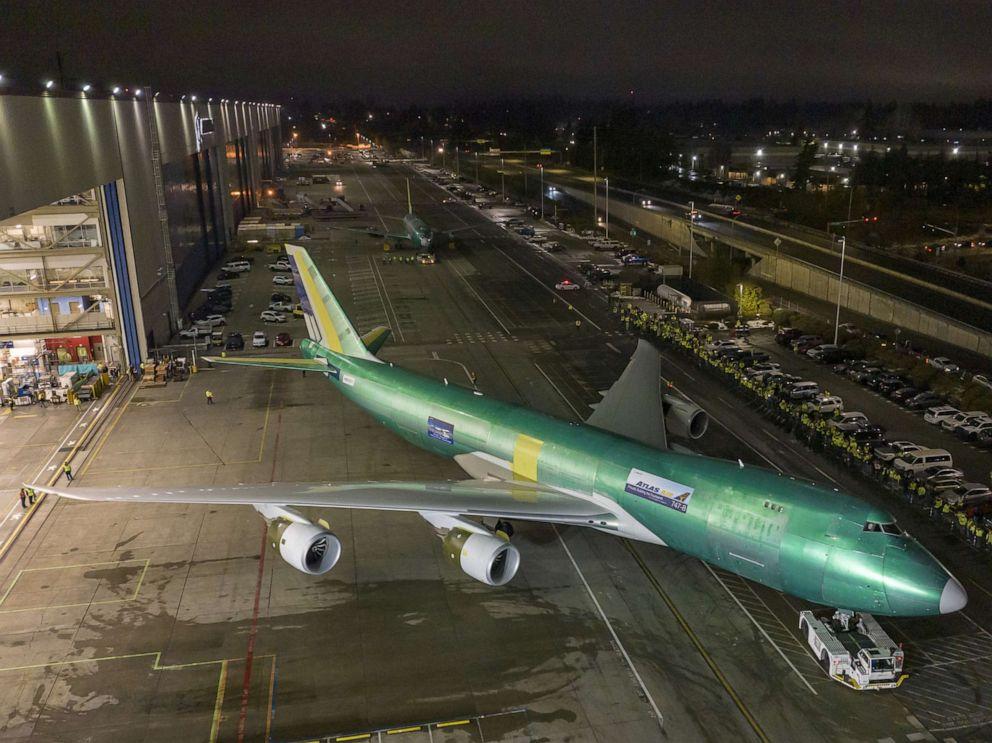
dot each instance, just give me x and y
(268, 709)
(694, 638)
(452, 723)
(219, 703)
(360, 736)
(117, 563)
(396, 731)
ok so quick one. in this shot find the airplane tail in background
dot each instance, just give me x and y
(327, 324)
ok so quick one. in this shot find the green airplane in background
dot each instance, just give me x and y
(613, 473)
(415, 230)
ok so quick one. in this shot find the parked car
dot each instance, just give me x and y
(566, 285)
(723, 343)
(280, 297)
(280, 306)
(803, 391)
(891, 449)
(963, 419)
(982, 380)
(968, 494)
(826, 353)
(944, 364)
(976, 430)
(825, 404)
(282, 280)
(760, 324)
(902, 394)
(228, 275)
(937, 413)
(940, 485)
(870, 434)
(213, 320)
(923, 400)
(804, 343)
(195, 331)
(236, 267)
(249, 259)
(863, 374)
(918, 460)
(271, 316)
(850, 421)
(259, 339)
(235, 342)
(785, 336)
(937, 470)
(281, 266)
(283, 339)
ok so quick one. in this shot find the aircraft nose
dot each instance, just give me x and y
(953, 598)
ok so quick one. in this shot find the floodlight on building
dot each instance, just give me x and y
(210, 100)
(86, 88)
(956, 150)
(137, 92)
(116, 90)
(192, 99)
(156, 94)
(182, 98)
(760, 152)
(49, 84)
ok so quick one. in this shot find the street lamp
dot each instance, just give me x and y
(607, 182)
(541, 168)
(840, 286)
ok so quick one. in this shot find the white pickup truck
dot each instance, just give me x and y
(853, 649)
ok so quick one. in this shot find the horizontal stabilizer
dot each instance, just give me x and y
(269, 362)
(376, 338)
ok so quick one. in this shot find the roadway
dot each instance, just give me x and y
(120, 621)
(963, 298)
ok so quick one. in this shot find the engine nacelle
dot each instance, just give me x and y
(485, 557)
(684, 418)
(308, 547)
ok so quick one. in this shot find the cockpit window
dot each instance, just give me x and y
(889, 528)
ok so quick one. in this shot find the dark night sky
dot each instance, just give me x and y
(429, 52)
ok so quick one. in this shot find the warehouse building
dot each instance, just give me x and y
(112, 210)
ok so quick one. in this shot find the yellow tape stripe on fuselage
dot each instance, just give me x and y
(526, 451)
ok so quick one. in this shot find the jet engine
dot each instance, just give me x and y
(684, 418)
(485, 557)
(309, 548)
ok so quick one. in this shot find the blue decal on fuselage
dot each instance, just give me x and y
(659, 490)
(441, 430)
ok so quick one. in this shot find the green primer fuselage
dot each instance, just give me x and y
(794, 536)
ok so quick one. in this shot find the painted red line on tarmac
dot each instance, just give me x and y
(253, 632)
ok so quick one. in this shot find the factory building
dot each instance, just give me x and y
(112, 210)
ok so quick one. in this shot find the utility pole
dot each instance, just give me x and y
(542, 191)
(840, 286)
(595, 205)
(457, 172)
(692, 208)
(607, 182)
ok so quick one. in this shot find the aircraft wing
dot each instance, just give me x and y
(493, 498)
(269, 362)
(633, 405)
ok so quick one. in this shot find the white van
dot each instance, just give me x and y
(915, 461)
(236, 266)
(937, 413)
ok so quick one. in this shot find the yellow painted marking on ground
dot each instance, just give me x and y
(268, 709)
(396, 731)
(360, 736)
(452, 723)
(219, 703)
(526, 451)
(697, 643)
(257, 460)
(156, 665)
(117, 563)
(103, 440)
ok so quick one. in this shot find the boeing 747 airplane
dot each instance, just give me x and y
(614, 473)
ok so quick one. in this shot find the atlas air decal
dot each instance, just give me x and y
(659, 490)
(441, 430)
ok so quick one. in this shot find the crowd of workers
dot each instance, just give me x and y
(972, 523)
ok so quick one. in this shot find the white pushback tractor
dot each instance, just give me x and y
(853, 649)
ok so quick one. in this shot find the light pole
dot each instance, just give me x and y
(457, 171)
(740, 301)
(595, 202)
(840, 286)
(607, 182)
(692, 208)
(542, 190)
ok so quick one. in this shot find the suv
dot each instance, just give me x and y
(968, 494)
(922, 400)
(971, 418)
(235, 342)
(850, 421)
(938, 413)
(918, 460)
(803, 391)
(785, 336)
